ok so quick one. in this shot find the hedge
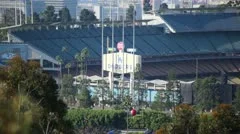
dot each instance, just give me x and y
(116, 119)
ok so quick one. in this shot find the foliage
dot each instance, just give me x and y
(207, 93)
(225, 119)
(49, 15)
(185, 120)
(41, 89)
(116, 119)
(158, 103)
(236, 100)
(68, 66)
(84, 97)
(82, 118)
(64, 15)
(141, 92)
(17, 113)
(36, 18)
(163, 6)
(87, 16)
(130, 13)
(147, 5)
(68, 91)
(104, 93)
(206, 124)
(148, 119)
(3, 35)
(81, 60)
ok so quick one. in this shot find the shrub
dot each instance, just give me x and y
(82, 118)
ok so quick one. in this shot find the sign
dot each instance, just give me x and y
(120, 62)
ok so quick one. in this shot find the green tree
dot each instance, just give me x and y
(84, 96)
(236, 101)
(3, 35)
(104, 93)
(81, 60)
(27, 78)
(225, 119)
(17, 112)
(185, 120)
(138, 86)
(49, 15)
(36, 18)
(68, 66)
(68, 90)
(147, 5)
(64, 15)
(163, 6)
(206, 93)
(158, 103)
(130, 13)
(87, 16)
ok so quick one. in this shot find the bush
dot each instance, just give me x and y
(82, 118)
(116, 119)
(148, 119)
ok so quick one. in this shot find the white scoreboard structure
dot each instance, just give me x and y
(121, 63)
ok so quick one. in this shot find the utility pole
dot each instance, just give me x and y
(32, 11)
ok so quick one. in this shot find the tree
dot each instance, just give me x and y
(104, 93)
(68, 90)
(87, 16)
(17, 112)
(36, 18)
(141, 92)
(163, 6)
(236, 101)
(49, 15)
(130, 13)
(185, 120)
(225, 119)
(41, 89)
(3, 35)
(158, 103)
(68, 66)
(206, 93)
(84, 96)
(81, 59)
(147, 5)
(60, 62)
(64, 15)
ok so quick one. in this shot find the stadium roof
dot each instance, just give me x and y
(199, 22)
(150, 41)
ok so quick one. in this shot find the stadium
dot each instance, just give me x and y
(190, 45)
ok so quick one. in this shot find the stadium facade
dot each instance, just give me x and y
(191, 45)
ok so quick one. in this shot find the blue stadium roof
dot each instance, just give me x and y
(150, 41)
(203, 22)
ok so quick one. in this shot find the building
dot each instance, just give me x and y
(59, 4)
(11, 4)
(115, 10)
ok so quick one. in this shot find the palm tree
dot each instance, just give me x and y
(68, 66)
(81, 59)
(60, 62)
(84, 55)
(78, 59)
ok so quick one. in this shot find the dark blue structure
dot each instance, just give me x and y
(195, 40)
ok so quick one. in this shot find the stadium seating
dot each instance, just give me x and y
(149, 41)
(203, 22)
